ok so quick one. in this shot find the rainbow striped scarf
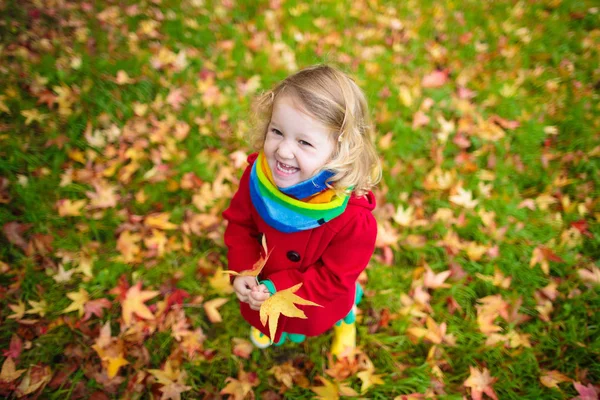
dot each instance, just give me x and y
(317, 205)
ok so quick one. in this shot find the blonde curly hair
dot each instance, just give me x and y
(334, 99)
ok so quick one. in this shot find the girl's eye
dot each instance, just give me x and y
(304, 143)
(276, 131)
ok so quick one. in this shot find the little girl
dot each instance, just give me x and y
(308, 192)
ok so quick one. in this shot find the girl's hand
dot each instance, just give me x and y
(243, 285)
(258, 295)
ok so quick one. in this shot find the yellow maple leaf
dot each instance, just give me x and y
(37, 307)
(160, 221)
(9, 373)
(68, 208)
(18, 310)
(114, 364)
(220, 282)
(283, 303)
(79, 300)
(369, 379)
(332, 390)
(212, 309)
(134, 303)
(551, 379)
(33, 115)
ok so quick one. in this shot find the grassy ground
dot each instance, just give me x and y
(121, 135)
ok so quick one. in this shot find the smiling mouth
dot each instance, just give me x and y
(286, 169)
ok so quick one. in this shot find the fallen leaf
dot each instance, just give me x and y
(134, 303)
(159, 221)
(79, 299)
(464, 198)
(242, 348)
(15, 347)
(588, 392)
(241, 387)
(68, 208)
(551, 379)
(368, 379)
(36, 378)
(591, 275)
(283, 303)
(480, 382)
(432, 280)
(14, 233)
(332, 390)
(211, 308)
(435, 79)
(9, 373)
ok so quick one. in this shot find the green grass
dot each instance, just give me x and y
(533, 63)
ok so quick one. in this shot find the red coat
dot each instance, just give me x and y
(326, 259)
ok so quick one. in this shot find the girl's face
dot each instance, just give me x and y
(296, 145)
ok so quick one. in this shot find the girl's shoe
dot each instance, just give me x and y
(259, 339)
(344, 338)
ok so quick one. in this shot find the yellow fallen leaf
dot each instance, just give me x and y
(283, 302)
(9, 373)
(212, 309)
(369, 379)
(114, 364)
(68, 208)
(220, 282)
(551, 379)
(160, 221)
(79, 300)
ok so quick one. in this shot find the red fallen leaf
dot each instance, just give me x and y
(121, 289)
(95, 307)
(582, 227)
(550, 255)
(15, 348)
(14, 233)
(177, 297)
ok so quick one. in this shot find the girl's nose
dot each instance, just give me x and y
(284, 150)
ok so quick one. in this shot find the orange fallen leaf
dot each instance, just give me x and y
(289, 375)
(480, 382)
(258, 266)
(283, 303)
(242, 347)
(241, 387)
(134, 303)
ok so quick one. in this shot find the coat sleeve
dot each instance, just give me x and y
(331, 281)
(241, 232)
